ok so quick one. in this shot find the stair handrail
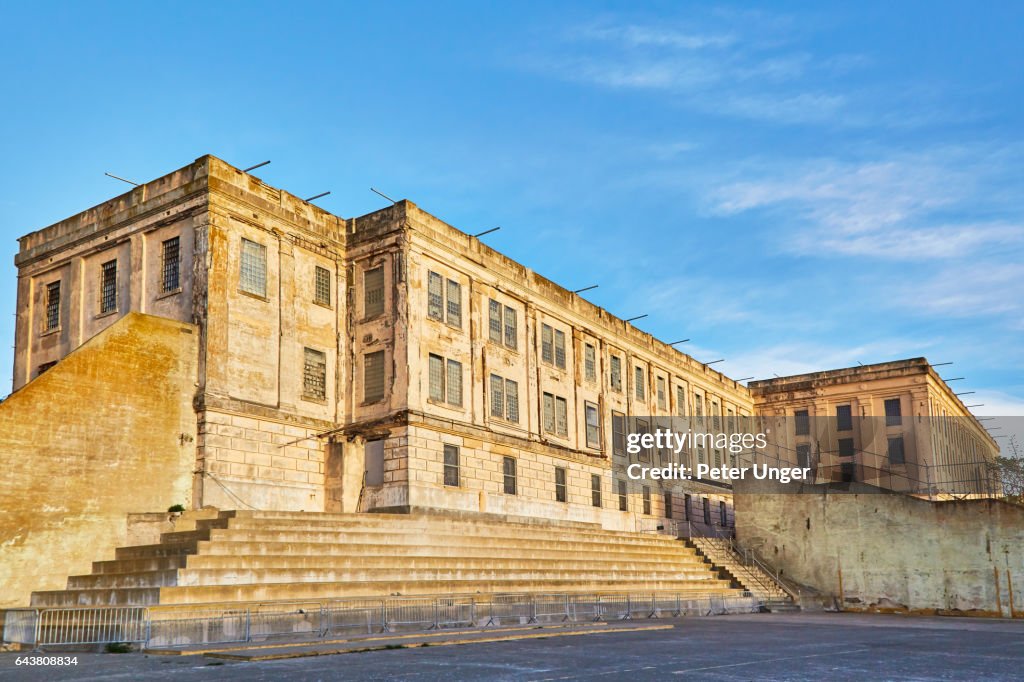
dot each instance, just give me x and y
(790, 589)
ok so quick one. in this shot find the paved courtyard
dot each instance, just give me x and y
(741, 647)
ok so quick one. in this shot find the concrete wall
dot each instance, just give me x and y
(890, 551)
(108, 431)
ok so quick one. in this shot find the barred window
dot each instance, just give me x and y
(640, 378)
(846, 447)
(802, 422)
(803, 455)
(373, 377)
(508, 469)
(170, 267)
(893, 415)
(595, 490)
(435, 296)
(549, 413)
(896, 453)
(844, 418)
(52, 305)
(454, 382)
(252, 277)
(561, 417)
(322, 291)
(108, 287)
(643, 426)
(494, 321)
(451, 466)
(559, 349)
(561, 494)
(618, 433)
(589, 362)
(668, 505)
(707, 511)
(314, 374)
(436, 377)
(454, 303)
(723, 513)
(547, 344)
(512, 401)
(373, 291)
(593, 419)
(616, 373)
(497, 396)
(647, 500)
(662, 394)
(511, 328)
(680, 401)
(623, 498)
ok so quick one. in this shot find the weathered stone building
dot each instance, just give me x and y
(388, 361)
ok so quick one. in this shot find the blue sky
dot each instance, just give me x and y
(793, 186)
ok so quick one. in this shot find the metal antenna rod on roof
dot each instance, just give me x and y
(715, 362)
(258, 165)
(317, 196)
(592, 286)
(130, 182)
(481, 234)
(636, 318)
(676, 343)
(377, 191)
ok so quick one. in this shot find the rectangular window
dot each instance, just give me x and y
(680, 401)
(512, 401)
(803, 456)
(435, 296)
(560, 489)
(686, 506)
(454, 303)
(639, 380)
(561, 417)
(373, 377)
(893, 415)
(802, 423)
(647, 500)
(844, 418)
(618, 433)
(547, 344)
(454, 382)
(252, 277)
(53, 305)
(511, 328)
(445, 380)
(494, 320)
(896, 454)
(549, 413)
(589, 362)
(642, 427)
(846, 447)
(322, 286)
(497, 396)
(615, 372)
(373, 291)
(707, 511)
(668, 505)
(170, 265)
(662, 394)
(593, 419)
(595, 490)
(508, 468)
(108, 287)
(451, 466)
(314, 374)
(559, 349)
(723, 513)
(623, 497)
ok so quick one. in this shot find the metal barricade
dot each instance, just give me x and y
(296, 619)
(551, 608)
(454, 612)
(20, 626)
(407, 612)
(584, 607)
(354, 616)
(118, 624)
(615, 607)
(182, 628)
(510, 608)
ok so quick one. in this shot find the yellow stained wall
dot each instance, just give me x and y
(108, 431)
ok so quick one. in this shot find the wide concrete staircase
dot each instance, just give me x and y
(744, 572)
(250, 556)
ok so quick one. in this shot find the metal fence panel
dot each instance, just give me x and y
(453, 612)
(202, 627)
(510, 608)
(410, 611)
(551, 608)
(127, 624)
(20, 626)
(354, 616)
(298, 619)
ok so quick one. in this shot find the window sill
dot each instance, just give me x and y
(328, 306)
(445, 323)
(371, 318)
(99, 316)
(368, 403)
(250, 294)
(49, 332)
(441, 403)
(168, 294)
(313, 399)
(502, 346)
